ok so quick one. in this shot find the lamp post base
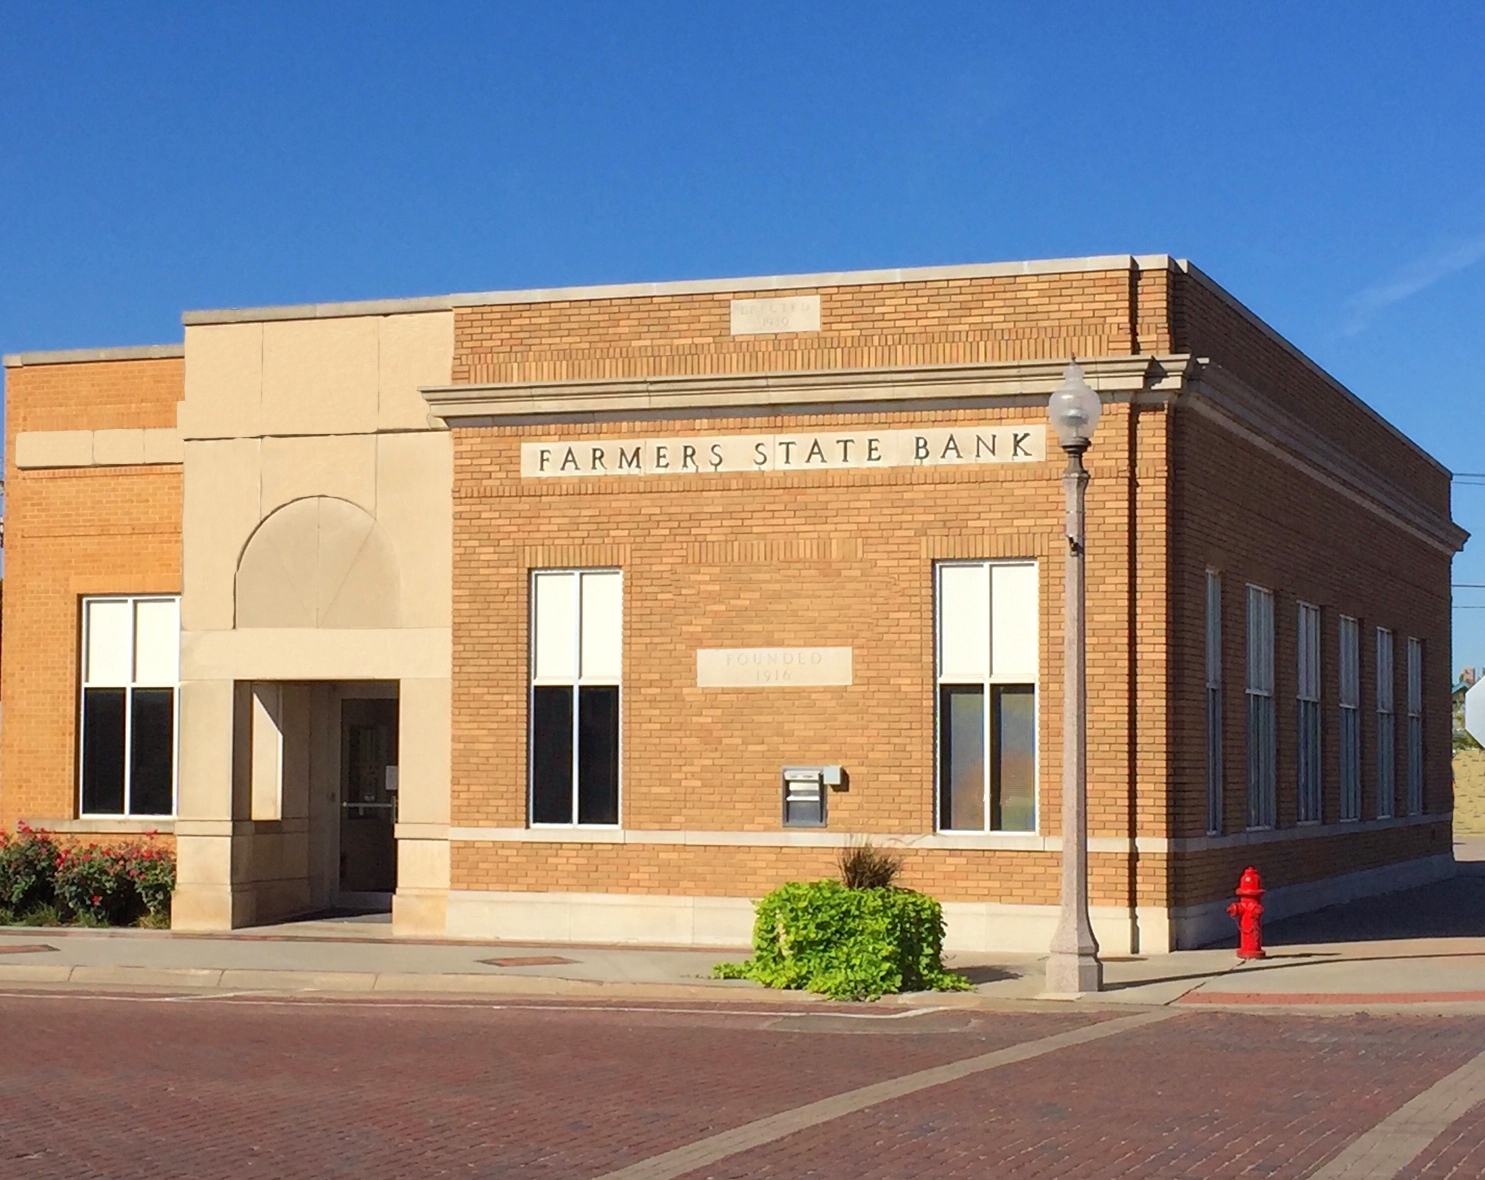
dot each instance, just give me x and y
(1072, 974)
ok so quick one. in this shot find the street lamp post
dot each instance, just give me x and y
(1073, 967)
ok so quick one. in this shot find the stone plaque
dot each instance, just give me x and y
(772, 667)
(793, 313)
(827, 450)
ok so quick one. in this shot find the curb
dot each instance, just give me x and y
(231, 981)
(1328, 999)
(367, 983)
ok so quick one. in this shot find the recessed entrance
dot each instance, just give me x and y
(368, 800)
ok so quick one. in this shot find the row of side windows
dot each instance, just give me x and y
(1259, 693)
(986, 654)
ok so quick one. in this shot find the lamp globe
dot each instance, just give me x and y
(1074, 409)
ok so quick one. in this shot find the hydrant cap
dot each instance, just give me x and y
(1251, 884)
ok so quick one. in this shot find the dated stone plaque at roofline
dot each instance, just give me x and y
(788, 313)
(834, 450)
(772, 667)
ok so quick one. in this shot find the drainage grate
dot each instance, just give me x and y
(529, 961)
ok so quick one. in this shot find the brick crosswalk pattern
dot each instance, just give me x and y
(133, 1086)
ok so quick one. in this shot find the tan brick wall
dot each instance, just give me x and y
(942, 322)
(1231, 507)
(1023, 878)
(826, 559)
(1208, 325)
(1213, 874)
(72, 532)
(842, 559)
(1238, 510)
(96, 395)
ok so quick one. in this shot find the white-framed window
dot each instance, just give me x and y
(1386, 733)
(577, 643)
(987, 653)
(1415, 726)
(1214, 703)
(129, 707)
(1307, 694)
(1348, 657)
(1262, 758)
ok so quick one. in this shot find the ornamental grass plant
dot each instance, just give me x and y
(845, 942)
(863, 866)
(44, 882)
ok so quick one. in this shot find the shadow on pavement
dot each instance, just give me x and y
(1277, 961)
(1454, 908)
(979, 975)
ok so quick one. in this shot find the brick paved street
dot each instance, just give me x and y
(216, 1087)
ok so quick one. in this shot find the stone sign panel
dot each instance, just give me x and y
(772, 667)
(791, 313)
(832, 450)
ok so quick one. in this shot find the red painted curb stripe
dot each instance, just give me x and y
(1332, 997)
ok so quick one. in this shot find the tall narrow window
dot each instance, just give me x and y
(131, 669)
(1261, 738)
(1349, 659)
(1307, 692)
(987, 673)
(1415, 726)
(577, 645)
(1214, 703)
(1386, 734)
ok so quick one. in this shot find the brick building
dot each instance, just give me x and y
(595, 613)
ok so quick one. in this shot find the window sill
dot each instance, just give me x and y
(104, 825)
(598, 833)
(777, 838)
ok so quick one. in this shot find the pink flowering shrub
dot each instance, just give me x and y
(152, 871)
(96, 884)
(28, 869)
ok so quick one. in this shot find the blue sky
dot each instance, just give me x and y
(1325, 163)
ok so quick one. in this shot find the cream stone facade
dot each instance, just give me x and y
(540, 615)
(316, 540)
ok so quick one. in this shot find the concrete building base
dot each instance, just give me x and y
(974, 927)
(971, 927)
(1201, 925)
(420, 911)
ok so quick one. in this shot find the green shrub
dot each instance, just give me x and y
(28, 869)
(849, 944)
(152, 871)
(116, 885)
(94, 885)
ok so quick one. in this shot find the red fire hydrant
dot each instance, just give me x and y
(1247, 911)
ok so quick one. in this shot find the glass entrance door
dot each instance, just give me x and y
(368, 795)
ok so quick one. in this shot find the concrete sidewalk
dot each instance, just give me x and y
(1422, 947)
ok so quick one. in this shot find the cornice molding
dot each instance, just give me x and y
(744, 286)
(1176, 378)
(77, 356)
(1270, 332)
(848, 391)
(1229, 402)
